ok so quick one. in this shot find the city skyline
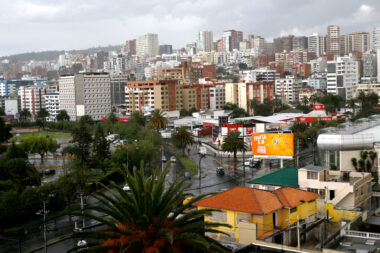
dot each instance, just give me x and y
(66, 25)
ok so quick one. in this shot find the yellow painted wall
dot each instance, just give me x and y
(340, 214)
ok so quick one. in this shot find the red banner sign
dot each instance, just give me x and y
(319, 107)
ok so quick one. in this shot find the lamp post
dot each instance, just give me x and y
(43, 212)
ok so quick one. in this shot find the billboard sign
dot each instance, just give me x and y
(272, 144)
(319, 107)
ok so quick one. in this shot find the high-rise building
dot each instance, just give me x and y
(376, 46)
(251, 40)
(231, 40)
(130, 47)
(283, 43)
(300, 42)
(52, 105)
(205, 41)
(333, 39)
(118, 83)
(244, 45)
(344, 44)
(166, 49)
(342, 77)
(316, 43)
(369, 65)
(85, 94)
(219, 45)
(359, 42)
(288, 88)
(258, 42)
(217, 95)
(32, 98)
(147, 45)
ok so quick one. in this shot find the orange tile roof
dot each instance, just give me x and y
(291, 197)
(243, 199)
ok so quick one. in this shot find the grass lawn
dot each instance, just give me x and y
(41, 133)
(187, 162)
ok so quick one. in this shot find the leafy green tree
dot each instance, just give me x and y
(243, 66)
(233, 143)
(305, 101)
(181, 138)
(150, 218)
(101, 148)
(237, 112)
(2, 112)
(16, 151)
(25, 115)
(82, 139)
(265, 109)
(331, 102)
(86, 119)
(158, 121)
(137, 117)
(354, 162)
(39, 145)
(5, 131)
(63, 116)
(112, 118)
(42, 115)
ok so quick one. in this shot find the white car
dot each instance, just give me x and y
(126, 188)
(173, 159)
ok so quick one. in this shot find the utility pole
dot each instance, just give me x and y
(199, 170)
(243, 156)
(298, 152)
(298, 233)
(82, 209)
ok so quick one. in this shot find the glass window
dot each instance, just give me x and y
(312, 175)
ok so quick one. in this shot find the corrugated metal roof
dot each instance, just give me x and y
(282, 177)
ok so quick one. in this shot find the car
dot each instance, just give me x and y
(164, 159)
(173, 159)
(220, 170)
(49, 171)
(253, 163)
(126, 188)
(186, 200)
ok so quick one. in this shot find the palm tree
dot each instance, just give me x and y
(138, 118)
(305, 100)
(351, 104)
(158, 121)
(181, 138)
(354, 163)
(149, 218)
(232, 143)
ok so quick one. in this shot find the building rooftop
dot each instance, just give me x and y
(282, 177)
(314, 167)
(255, 201)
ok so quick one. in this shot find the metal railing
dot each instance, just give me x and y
(363, 235)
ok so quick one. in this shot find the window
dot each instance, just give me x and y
(293, 210)
(312, 175)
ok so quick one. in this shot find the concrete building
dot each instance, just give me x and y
(260, 75)
(300, 42)
(52, 105)
(251, 40)
(367, 88)
(369, 66)
(85, 94)
(345, 194)
(316, 43)
(231, 40)
(7, 88)
(376, 47)
(344, 44)
(130, 47)
(217, 95)
(147, 45)
(205, 41)
(283, 44)
(10, 105)
(318, 65)
(333, 40)
(359, 42)
(288, 89)
(317, 82)
(342, 77)
(118, 84)
(244, 45)
(195, 96)
(166, 49)
(32, 98)
(259, 43)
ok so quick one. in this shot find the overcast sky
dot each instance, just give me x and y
(37, 25)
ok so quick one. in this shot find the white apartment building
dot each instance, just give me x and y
(52, 105)
(32, 98)
(260, 75)
(318, 65)
(217, 96)
(342, 77)
(147, 45)
(316, 44)
(85, 94)
(288, 88)
(333, 40)
(205, 41)
(139, 96)
(10, 105)
(376, 47)
(7, 89)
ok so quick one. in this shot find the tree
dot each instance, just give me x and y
(150, 218)
(42, 115)
(352, 105)
(39, 145)
(305, 101)
(63, 116)
(243, 66)
(82, 139)
(112, 117)
(233, 143)
(25, 115)
(181, 138)
(15, 151)
(137, 117)
(237, 112)
(158, 121)
(87, 120)
(5, 131)
(101, 148)
(265, 109)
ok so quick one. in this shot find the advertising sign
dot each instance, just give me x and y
(272, 144)
(319, 107)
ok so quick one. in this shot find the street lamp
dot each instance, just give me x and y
(43, 212)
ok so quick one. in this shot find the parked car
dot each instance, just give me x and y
(164, 159)
(49, 171)
(220, 170)
(126, 188)
(253, 163)
(173, 159)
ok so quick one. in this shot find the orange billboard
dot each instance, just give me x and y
(270, 144)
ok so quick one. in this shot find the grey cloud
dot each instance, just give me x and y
(34, 25)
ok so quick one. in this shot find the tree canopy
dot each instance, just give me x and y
(233, 143)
